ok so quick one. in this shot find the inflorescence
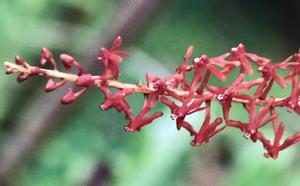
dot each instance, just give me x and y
(185, 97)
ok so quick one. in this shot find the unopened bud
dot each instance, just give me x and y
(69, 97)
(84, 80)
(67, 59)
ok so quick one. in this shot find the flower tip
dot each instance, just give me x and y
(197, 60)
(159, 114)
(107, 104)
(50, 86)
(103, 49)
(117, 42)
(128, 129)
(151, 80)
(68, 98)
(195, 143)
(22, 77)
(19, 60)
(241, 45)
(102, 107)
(67, 59)
(149, 77)
(189, 51)
(260, 69)
(222, 77)
(46, 53)
(249, 70)
(204, 59)
(219, 120)
(43, 61)
(266, 155)
(234, 49)
(9, 71)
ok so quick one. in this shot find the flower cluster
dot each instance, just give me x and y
(187, 96)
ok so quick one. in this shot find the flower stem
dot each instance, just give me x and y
(117, 84)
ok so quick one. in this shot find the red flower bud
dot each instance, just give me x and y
(22, 77)
(9, 71)
(67, 59)
(19, 60)
(117, 43)
(69, 97)
(46, 55)
(52, 85)
(84, 80)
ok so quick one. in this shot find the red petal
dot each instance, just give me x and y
(115, 58)
(121, 53)
(216, 72)
(215, 90)
(46, 53)
(295, 138)
(117, 43)
(19, 60)
(246, 65)
(188, 54)
(279, 80)
(259, 60)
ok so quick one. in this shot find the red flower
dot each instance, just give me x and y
(140, 121)
(52, 85)
(272, 149)
(204, 63)
(269, 75)
(239, 54)
(21, 76)
(149, 101)
(207, 129)
(111, 59)
(135, 124)
(250, 129)
(70, 96)
(46, 56)
(116, 100)
(189, 106)
(69, 61)
(295, 138)
(293, 62)
(179, 77)
(256, 122)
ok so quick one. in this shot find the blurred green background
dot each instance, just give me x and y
(45, 144)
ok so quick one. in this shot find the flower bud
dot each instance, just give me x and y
(67, 59)
(69, 97)
(84, 80)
